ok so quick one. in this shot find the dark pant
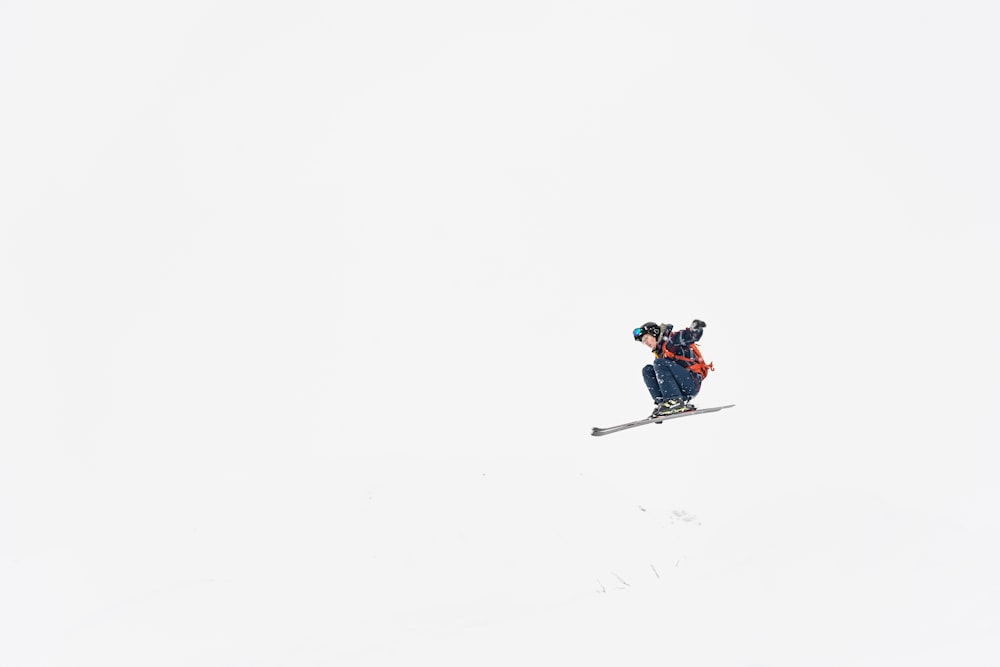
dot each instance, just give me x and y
(667, 379)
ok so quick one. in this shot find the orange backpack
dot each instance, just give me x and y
(696, 365)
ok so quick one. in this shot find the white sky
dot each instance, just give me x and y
(308, 309)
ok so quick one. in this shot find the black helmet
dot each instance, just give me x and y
(651, 328)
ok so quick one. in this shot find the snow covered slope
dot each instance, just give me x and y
(308, 312)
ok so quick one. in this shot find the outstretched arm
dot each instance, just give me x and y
(690, 335)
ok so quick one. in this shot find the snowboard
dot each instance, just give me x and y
(656, 420)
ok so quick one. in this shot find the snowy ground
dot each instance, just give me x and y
(308, 310)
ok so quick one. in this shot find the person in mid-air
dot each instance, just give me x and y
(675, 377)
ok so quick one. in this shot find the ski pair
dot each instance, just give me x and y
(656, 420)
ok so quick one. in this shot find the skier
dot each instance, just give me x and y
(674, 378)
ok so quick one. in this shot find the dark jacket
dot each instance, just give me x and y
(678, 344)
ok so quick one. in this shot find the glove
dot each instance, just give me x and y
(698, 324)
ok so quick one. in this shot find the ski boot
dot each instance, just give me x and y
(671, 406)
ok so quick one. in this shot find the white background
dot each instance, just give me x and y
(307, 309)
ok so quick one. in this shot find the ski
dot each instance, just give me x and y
(656, 420)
